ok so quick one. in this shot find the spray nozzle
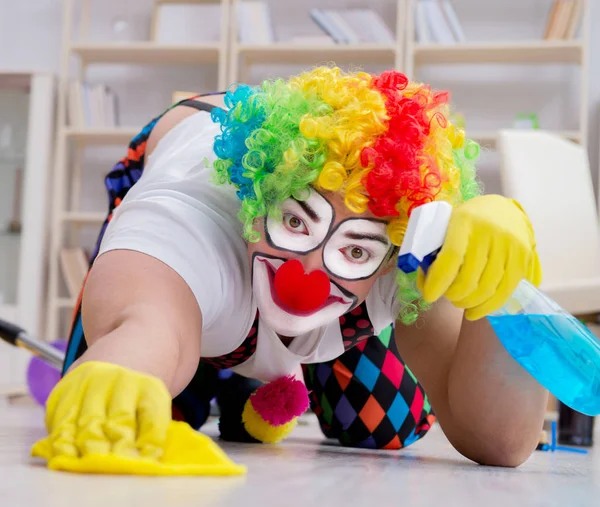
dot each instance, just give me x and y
(424, 236)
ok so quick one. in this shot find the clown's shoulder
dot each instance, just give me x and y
(175, 214)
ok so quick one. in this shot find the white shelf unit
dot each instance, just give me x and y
(523, 52)
(72, 141)
(242, 55)
(234, 60)
(23, 254)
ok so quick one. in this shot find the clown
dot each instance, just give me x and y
(251, 247)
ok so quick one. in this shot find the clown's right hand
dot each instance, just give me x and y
(104, 409)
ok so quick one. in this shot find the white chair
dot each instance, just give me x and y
(550, 177)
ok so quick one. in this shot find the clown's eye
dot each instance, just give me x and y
(294, 224)
(356, 254)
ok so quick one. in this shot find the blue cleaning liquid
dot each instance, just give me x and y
(559, 352)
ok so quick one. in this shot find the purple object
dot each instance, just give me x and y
(41, 377)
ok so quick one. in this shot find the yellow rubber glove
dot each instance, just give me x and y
(104, 418)
(489, 248)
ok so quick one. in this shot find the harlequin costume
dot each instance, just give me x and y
(403, 152)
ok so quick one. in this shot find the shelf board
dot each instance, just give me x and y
(306, 53)
(188, 1)
(487, 139)
(148, 53)
(84, 217)
(117, 135)
(500, 52)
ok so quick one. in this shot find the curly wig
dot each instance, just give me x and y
(386, 144)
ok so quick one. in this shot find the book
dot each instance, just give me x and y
(324, 21)
(453, 21)
(74, 265)
(91, 105)
(346, 30)
(352, 26)
(575, 19)
(560, 19)
(422, 33)
(439, 27)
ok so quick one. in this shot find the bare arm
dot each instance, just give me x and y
(138, 313)
(490, 408)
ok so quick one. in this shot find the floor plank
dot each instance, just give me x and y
(304, 471)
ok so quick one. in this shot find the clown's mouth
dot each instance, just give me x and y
(331, 299)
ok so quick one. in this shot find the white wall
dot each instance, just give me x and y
(489, 96)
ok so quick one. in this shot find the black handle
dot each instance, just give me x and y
(9, 332)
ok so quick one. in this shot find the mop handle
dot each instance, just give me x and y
(17, 336)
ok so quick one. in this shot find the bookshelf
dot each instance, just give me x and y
(503, 52)
(298, 53)
(148, 53)
(71, 141)
(549, 49)
(233, 59)
(244, 55)
(100, 136)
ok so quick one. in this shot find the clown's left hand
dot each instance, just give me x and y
(489, 248)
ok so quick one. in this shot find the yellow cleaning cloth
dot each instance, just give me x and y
(107, 419)
(186, 452)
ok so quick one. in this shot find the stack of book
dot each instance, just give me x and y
(91, 105)
(436, 22)
(564, 20)
(352, 26)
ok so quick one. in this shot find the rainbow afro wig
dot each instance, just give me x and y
(386, 144)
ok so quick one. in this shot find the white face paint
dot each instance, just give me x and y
(356, 249)
(302, 226)
(283, 320)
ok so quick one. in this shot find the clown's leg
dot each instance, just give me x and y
(231, 392)
(232, 395)
(368, 398)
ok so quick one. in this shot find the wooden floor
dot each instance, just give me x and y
(305, 471)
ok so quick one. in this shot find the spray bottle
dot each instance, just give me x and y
(553, 346)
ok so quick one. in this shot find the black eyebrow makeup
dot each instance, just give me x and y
(368, 236)
(312, 214)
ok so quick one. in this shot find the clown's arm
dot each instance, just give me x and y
(121, 296)
(490, 408)
(139, 313)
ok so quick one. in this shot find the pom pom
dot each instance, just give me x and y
(272, 412)
(262, 431)
(278, 402)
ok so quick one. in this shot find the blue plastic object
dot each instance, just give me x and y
(559, 351)
(553, 447)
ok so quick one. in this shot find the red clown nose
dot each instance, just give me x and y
(301, 291)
